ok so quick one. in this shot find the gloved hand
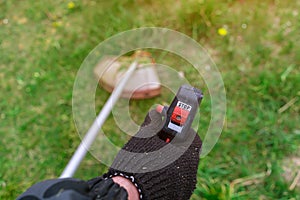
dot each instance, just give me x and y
(159, 170)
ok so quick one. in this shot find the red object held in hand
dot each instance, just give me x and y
(179, 115)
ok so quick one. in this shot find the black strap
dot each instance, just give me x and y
(56, 189)
(74, 189)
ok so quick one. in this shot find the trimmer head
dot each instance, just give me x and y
(144, 82)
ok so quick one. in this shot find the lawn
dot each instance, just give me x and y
(255, 44)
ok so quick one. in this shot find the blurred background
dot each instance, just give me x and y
(255, 44)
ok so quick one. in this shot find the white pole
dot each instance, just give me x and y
(94, 129)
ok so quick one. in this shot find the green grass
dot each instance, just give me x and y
(44, 43)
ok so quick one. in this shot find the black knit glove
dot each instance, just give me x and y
(159, 170)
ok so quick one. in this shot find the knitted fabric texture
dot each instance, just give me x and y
(160, 170)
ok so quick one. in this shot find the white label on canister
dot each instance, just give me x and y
(174, 127)
(184, 106)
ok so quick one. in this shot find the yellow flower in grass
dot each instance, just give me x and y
(71, 5)
(222, 31)
(57, 24)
